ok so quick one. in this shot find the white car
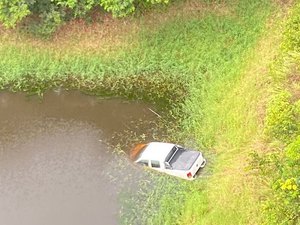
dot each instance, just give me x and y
(169, 158)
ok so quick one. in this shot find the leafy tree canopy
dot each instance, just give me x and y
(51, 13)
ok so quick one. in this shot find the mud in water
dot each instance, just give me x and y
(54, 159)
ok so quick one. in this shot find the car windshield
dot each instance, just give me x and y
(171, 154)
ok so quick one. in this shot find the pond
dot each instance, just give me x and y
(56, 161)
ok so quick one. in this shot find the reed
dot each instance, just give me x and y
(191, 64)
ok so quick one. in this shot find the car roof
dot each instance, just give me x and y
(156, 151)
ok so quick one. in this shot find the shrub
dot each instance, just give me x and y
(282, 169)
(283, 206)
(12, 11)
(292, 31)
(293, 156)
(48, 23)
(53, 12)
(281, 120)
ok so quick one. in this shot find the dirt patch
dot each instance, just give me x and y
(104, 34)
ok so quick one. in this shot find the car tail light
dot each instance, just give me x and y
(189, 175)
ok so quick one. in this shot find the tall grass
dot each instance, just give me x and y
(220, 110)
(282, 129)
(180, 51)
(191, 64)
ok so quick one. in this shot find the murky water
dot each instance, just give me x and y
(54, 160)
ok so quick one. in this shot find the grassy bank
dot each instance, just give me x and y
(165, 63)
(279, 166)
(205, 64)
(235, 121)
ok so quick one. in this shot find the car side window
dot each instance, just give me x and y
(143, 162)
(155, 164)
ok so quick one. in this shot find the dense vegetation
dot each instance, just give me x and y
(48, 15)
(280, 167)
(205, 63)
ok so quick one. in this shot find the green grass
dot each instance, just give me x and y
(181, 50)
(282, 129)
(196, 67)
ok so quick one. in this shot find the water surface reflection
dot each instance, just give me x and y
(54, 160)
